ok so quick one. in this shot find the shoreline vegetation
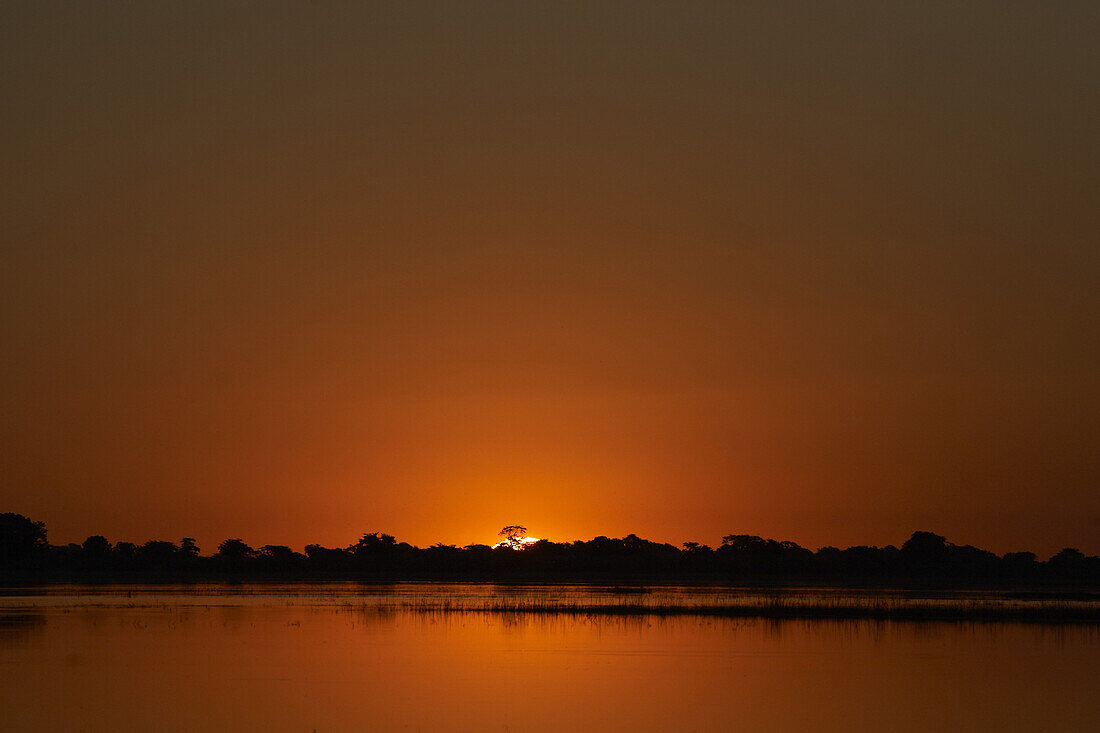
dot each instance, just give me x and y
(925, 560)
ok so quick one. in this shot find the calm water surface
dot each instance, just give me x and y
(424, 657)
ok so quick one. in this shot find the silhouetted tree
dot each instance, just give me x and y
(159, 548)
(280, 559)
(126, 550)
(373, 542)
(743, 542)
(1067, 562)
(513, 536)
(925, 544)
(327, 559)
(21, 539)
(235, 550)
(1068, 556)
(188, 548)
(97, 553)
(277, 551)
(158, 557)
(96, 546)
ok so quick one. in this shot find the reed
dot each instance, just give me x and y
(780, 606)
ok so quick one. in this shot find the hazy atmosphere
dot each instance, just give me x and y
(294, 272)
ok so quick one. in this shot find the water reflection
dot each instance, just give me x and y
(17, 627)
(200, 662)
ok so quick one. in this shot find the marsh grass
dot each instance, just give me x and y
(785, 606)
(602, 601)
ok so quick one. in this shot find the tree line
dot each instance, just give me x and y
(926, 557)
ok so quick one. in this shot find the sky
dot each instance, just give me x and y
(292, 272)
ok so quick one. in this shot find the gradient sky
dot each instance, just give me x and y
(294, 271)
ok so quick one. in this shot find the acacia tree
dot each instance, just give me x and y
(513, 536)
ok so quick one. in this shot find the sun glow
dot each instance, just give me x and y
(518, 543)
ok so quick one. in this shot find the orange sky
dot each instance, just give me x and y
(293, 272)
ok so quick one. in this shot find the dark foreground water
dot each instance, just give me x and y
(454, 657)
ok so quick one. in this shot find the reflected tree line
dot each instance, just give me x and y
(926, 557)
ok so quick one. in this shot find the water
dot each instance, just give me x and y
(429, 657)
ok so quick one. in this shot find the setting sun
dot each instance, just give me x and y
(518, 543)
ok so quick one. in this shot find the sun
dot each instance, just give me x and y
(517, 543)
